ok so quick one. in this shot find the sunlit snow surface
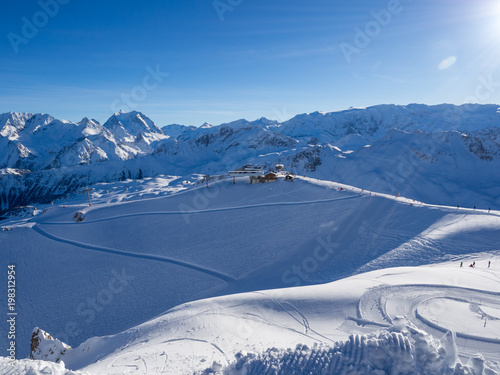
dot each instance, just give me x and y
(144, 247)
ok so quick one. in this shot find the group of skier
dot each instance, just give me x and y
(489, 208)
(473, 264)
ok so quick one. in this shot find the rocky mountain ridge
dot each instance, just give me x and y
(44, 157)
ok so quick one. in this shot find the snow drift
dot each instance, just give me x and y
(406, 350)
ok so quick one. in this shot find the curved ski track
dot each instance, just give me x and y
(157, 258)
(373, 307)
(209, 210)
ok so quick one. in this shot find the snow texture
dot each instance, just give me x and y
(409, 351)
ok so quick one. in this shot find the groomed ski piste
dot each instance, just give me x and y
(166, 275)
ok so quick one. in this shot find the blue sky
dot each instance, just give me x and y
(193, 61)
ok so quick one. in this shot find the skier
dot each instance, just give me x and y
(489, 263)
(461, 264)
(473, 264)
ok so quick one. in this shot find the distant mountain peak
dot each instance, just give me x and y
(12, 123)
(131, 123)
(265, 120)
(86, 121)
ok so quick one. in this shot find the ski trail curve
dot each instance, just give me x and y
(208, 210)
(377, 305)
(208, 271)
(303, 319)
(217, 347)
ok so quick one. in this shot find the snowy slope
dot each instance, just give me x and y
(331, 329)
(224, 239)
(26, 366)
(340, 317)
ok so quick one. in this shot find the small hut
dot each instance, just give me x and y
(270, 177)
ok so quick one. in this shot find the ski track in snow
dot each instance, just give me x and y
(303, 319)
(222, 276)
(221, 209)
(157, 363)
(203, 342)
(157, 258)
(377, 306)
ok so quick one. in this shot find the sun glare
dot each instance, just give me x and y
(488, 21)
(494, 12)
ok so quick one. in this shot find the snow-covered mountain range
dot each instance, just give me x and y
(400, 149)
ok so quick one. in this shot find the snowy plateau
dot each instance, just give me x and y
(381, 256)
